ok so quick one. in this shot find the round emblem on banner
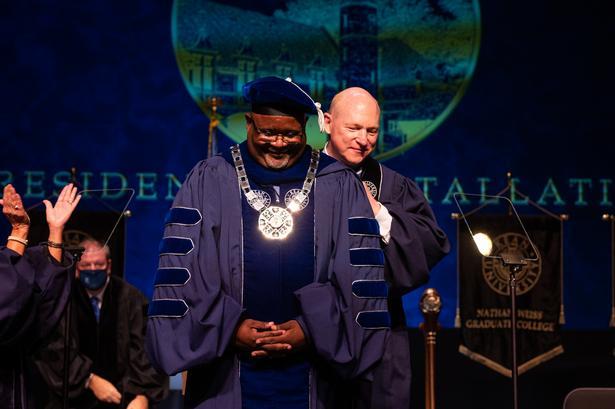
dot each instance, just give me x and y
(372, 188)
(496, 273)
(291, 194)
(275, 223)
(417, 58)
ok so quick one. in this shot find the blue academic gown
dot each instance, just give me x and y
(273, 271)
(33, 295)
(416, 245)
(207, 283)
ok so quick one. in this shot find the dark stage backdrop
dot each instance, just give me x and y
(97, 85)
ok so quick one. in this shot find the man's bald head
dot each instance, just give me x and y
(352, 124)
(350, 97)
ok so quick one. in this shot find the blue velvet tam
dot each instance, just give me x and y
(278, 96)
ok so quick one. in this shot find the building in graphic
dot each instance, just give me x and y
(225, 57)
(221, 47)
(359, 45)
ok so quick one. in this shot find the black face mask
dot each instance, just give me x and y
(93, 279)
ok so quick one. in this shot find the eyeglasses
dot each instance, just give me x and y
(271, 135)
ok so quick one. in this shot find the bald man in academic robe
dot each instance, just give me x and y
(411, 239)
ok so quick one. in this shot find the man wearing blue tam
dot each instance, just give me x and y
(270, 287)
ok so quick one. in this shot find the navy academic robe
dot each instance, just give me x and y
(417, 243)
(200, 294)
(33, 295)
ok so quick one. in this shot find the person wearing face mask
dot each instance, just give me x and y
(109, 367)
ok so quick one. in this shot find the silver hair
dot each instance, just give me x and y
(98, 244)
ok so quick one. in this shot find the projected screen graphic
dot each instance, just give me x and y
(416, 58)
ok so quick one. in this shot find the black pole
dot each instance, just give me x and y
(512, 282)
(76, 252)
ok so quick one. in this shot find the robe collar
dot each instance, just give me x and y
(368, 171)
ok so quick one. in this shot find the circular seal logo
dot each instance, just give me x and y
(416, 58)
(290, 196)
(262, 196)
(496, 274)
(372, 188)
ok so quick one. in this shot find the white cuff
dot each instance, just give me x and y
(384, 219)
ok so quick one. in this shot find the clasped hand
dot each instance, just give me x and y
(266, 339)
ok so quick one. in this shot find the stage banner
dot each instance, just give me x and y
(484, 293)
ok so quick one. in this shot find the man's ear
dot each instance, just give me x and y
(109, 266)
(248, 117)
(328, 121)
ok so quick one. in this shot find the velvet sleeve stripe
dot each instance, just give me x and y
(363, 257)
(363, 226)
(183, 216)
(172, 276)
(370, 289)
(177, 246)
(167, 308)
(374, 319)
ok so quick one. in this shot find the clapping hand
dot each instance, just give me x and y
(13, 209)
(58, 215)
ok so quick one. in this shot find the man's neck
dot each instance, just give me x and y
(357, 168)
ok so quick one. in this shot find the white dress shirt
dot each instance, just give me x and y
(383, 217)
